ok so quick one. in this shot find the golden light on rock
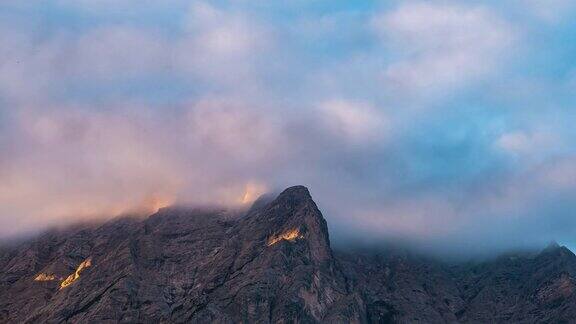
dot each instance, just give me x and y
(76, 275)
(290, 235)
(45, 277)
(251, 192)
(154, 203)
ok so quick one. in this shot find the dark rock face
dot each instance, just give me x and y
(274, 264)
(529, 288)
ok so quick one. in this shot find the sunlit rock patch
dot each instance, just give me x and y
(289, 235)
(76, 275)
(45, 277)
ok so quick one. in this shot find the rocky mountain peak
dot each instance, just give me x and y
(294, 216)
(291, 201)
(297, 193)
(555, 251)
(272, 265)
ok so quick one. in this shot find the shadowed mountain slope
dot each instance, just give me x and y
(272, 265)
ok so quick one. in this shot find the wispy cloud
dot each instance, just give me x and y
(440, 47)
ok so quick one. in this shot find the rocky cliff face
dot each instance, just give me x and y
(273, 264)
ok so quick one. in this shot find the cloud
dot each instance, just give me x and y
(117, 51)
(443, 46)
(354, 121)
(219, 47)
(222, 45)
(224, 33)
(232, 129)
(420, 121)
(526, 143)
(489, 215)
(71, 159)
(552, 11)
(69, 165)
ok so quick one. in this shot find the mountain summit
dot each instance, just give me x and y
(273, 264)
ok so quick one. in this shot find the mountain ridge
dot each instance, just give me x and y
(273, 264)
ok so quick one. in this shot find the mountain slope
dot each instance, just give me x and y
(273, 264)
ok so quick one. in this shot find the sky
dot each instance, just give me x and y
(448, 125)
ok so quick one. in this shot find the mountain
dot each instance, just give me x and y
(272, 264)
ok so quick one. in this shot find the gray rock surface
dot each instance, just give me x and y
(272, 265)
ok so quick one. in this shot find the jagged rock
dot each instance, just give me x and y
(272, 265)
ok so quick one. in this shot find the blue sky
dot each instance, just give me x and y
(441, 123)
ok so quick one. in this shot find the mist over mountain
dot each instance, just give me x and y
(444, 125)
(274, 263)
(145, 148)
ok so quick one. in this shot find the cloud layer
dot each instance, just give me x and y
(444, 124)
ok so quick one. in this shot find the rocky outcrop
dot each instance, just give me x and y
(272, 265)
